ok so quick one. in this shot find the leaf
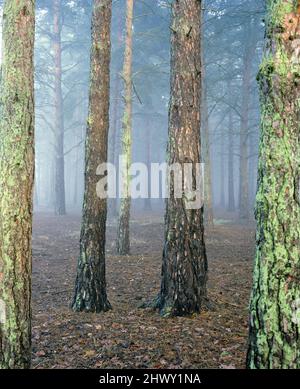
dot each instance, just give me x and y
(227, 367)
(90, 353)
(40, 353)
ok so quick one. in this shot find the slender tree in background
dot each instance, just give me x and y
(208, 205)
(90, 289)
(222, 171)
(184, 269)
(59, 183)
(274, 340)
(252, 170)
(114, 130)
(16, 183)
(113, 203)
(148, 141)
(248, 56)
(123, 238)
(231, 196)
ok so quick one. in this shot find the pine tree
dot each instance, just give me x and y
(231, 196)
(114, 129)
(90, 290)
(274, 339)
(16, 183)
(59, 159)
(184, 269)
(248, 56)
(208, 206)
(123, 239)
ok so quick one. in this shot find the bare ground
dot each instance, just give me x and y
(129, 337)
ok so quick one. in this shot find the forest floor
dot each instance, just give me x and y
(127, 336)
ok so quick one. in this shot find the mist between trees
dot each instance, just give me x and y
(203, 93)
(188, 181)
(230, 118)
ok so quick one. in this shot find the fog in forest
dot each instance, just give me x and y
(233, 40)
(138, 262)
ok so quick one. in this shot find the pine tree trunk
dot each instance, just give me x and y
(222, 174)
(90, 290)
(208, 206)
(244, 131)
(75, 183)
(59, 185)
(114, 132)
(184, 269)
(252, 172)
(274, 339)
(16, 183)
(147, 202)
(123, 239)
(79, 138)
(231, 196)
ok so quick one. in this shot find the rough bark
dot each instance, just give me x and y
(123, 239)
(59, 159)
(16, 183)
(184, 268)
(90, 289)
(274, 339)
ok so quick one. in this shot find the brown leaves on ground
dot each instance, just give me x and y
(129, 337)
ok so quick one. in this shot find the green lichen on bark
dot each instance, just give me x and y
(16, 182)
(274, 339)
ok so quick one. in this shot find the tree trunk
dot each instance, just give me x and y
(274, 339)
(252, 171)
(184, 268)
(123, 239)
(79, 138)
(208, 206)
(147, 202)
(90, 290)
(231, 196)
(36, 194)
(247, 67)
(222, 174)
(114, 133)
(59, 185)
(113, 203)
(16, 183)
(208, 197)
(75, 183)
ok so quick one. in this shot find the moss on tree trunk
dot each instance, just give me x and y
(274, 339)
(16, 183)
